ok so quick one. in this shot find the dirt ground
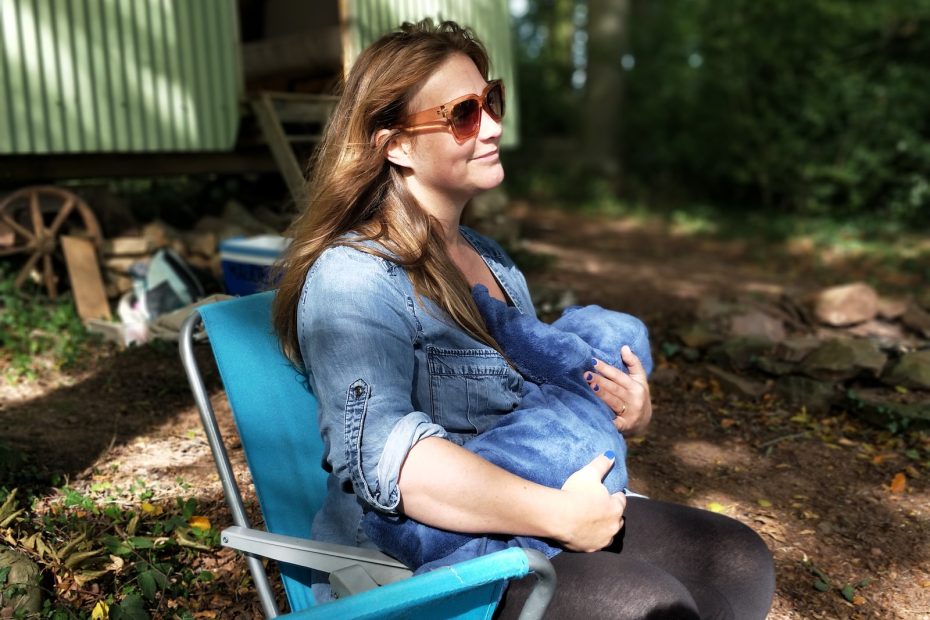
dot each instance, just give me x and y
(818, 489)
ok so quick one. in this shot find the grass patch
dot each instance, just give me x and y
(38, 335)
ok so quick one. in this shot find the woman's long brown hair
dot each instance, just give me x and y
(353, 188)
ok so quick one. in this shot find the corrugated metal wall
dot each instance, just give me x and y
(366, 20)
(98, 76)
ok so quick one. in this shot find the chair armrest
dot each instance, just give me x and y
(444, 592)
(325, 557)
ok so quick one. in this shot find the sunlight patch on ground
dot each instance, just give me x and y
(699, 454)
(765, 288)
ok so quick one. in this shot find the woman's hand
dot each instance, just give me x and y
(626, 394)
(593, 516)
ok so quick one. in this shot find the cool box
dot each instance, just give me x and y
(246, 262)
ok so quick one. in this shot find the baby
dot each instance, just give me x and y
(558, 428)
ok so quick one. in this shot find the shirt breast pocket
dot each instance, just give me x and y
(471, 388)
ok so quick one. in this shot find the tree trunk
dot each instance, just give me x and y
(603, 102)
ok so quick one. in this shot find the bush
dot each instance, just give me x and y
(815, 110)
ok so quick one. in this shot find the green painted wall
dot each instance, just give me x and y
(97, 76)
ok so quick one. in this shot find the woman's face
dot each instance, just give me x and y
(438, 163)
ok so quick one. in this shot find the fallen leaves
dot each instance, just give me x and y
(101, 611)
(898, 483)
(200, 522)
(823, 583)
(140, 554)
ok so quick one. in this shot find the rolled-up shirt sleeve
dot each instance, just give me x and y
(357, 330)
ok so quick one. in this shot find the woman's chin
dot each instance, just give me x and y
(494, 177)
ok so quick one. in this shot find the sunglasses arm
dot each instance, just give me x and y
(427, 117)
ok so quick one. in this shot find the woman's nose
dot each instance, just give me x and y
(490, 128)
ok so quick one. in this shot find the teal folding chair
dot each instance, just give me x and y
(276, 418)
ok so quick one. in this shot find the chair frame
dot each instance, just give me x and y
(352, 570)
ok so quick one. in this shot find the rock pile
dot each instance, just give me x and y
(843, 347)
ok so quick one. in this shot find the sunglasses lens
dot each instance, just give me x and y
(465, 118)
(495, 101)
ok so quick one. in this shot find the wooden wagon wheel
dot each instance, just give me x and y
(38, 217)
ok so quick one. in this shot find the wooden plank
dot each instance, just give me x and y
(90, 298)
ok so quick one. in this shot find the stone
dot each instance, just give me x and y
(739, 353)
(843, 359)
(698, 336)
(26, 599)
(912, 370)
(736, 384)
(772, 366)
(882, 409)
(796, 347)
(756, 323)
(891, 309)
(885, 335)
(710, 308)
(846, 305)
(816, 396)
(917, 319)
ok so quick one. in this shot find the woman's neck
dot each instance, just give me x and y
(446, 209)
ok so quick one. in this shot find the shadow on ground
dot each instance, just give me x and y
(58, 434)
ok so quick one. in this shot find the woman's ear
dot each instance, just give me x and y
(398, 148)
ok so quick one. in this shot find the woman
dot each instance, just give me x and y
(375, 301)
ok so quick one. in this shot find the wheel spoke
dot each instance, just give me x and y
(9, 221)
(37, 224)
(27, 268)
(18, 249)
(61, 217)
(50, 285)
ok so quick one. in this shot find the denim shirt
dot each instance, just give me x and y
(388, 370)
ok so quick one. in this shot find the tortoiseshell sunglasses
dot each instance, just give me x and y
(463, 115)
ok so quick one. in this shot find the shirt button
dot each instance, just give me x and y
(358, 391)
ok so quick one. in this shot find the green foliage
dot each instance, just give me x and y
(821, 110)
(36, 332)
(112, 550)
(548, 105)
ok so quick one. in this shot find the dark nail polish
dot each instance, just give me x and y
(597, 388)
(610, 454)
(594, 361)
(588, 377)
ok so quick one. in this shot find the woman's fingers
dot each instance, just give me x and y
(627, 395)
(594, 516)
(632, 362)
(616, 388)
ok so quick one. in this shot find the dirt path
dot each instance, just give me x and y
(816, 488)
